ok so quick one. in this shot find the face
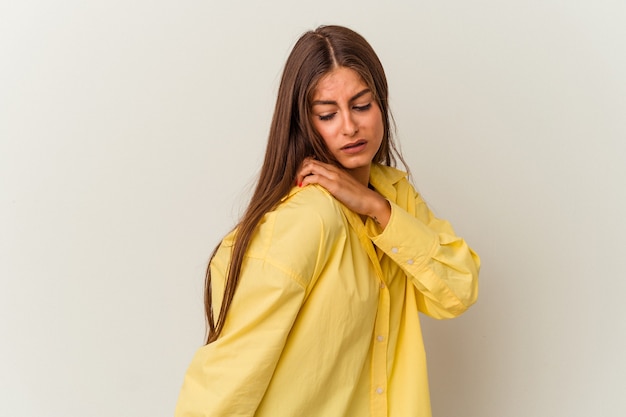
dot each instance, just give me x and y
(349, 120)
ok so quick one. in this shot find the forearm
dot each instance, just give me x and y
(439, 264)
(379, 210)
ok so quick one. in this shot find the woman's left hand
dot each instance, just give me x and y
(345, 188)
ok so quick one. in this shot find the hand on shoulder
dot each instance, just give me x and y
(345, 188)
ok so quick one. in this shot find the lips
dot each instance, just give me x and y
(354, 147)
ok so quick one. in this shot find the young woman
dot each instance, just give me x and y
(312, 301)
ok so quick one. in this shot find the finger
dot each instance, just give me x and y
(309, 166)
(300, 172)
(309, 176)
(313, 179)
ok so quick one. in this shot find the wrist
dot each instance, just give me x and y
(381, 212)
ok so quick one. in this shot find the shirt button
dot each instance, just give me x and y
(394, 250)
(410, 262)
(380, 338)
(382, 285)
(379, 390)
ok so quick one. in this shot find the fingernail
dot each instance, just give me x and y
(300, 185)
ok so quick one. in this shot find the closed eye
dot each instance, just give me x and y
(363, 108)
(326, 117)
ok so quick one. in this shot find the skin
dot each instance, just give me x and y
(349, 120)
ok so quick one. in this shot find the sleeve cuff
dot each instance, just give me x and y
(406, 240)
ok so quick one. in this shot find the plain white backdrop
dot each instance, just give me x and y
(131, 133)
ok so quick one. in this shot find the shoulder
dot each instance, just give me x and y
(309, 212)
(299, 234)
(310, 202)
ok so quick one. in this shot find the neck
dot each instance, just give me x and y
(361, 174)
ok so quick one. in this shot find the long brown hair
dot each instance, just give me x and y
(292, 137)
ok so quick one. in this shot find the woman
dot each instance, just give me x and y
(312, 301)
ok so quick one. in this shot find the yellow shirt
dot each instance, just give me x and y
(324, 321)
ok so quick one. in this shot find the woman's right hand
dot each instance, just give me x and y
(355, 195)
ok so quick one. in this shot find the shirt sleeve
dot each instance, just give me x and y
(441, 266)
(230, 376)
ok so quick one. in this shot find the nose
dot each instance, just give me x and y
(349, 127)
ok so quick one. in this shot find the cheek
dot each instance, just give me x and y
(381, 127)
(325, 130)
(374, 116)
(381, 124)
(376, 124)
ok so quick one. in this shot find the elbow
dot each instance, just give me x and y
(461, 295)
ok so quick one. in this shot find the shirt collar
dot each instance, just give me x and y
(384, 178)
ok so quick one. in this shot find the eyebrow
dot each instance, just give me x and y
(355, 97)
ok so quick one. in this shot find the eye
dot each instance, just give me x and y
(326, 117)
(363, 108)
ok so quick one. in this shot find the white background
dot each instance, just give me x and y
(131, 133)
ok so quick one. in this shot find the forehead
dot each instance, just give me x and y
(340, 83)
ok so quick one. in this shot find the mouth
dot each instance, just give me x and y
(354, 147)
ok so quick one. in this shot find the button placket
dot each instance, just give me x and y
(379, 354)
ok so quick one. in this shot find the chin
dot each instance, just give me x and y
(356, 167)
(357, 163)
